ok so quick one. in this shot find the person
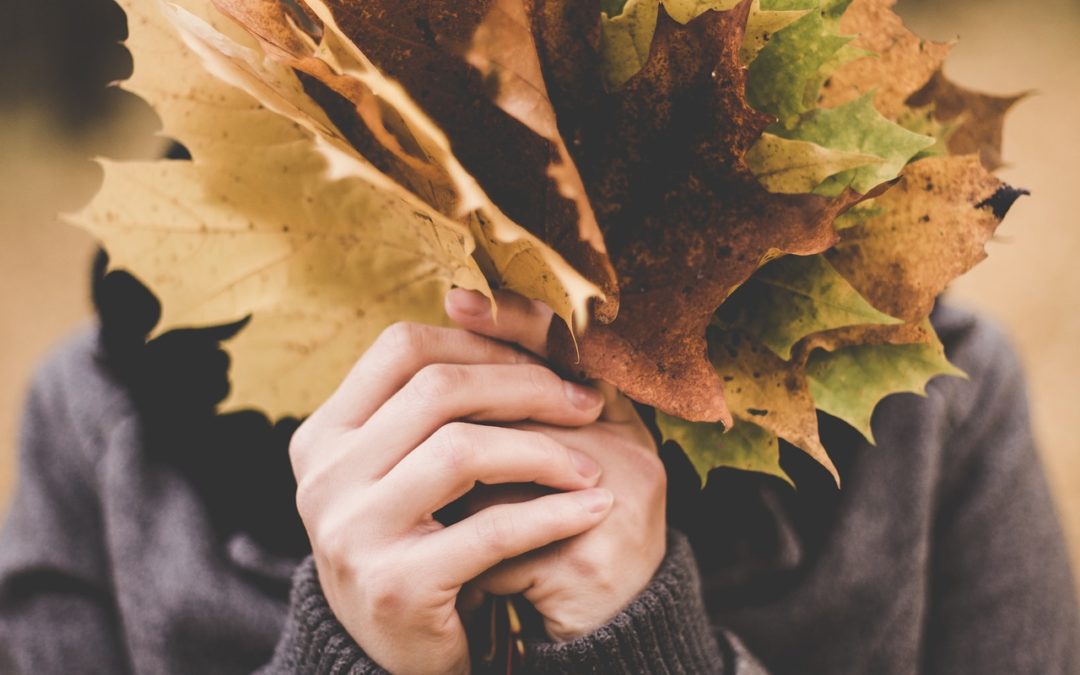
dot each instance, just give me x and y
(149, 534)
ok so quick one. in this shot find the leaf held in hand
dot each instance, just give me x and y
(746, 446)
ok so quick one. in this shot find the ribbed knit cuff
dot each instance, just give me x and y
(314, 642)
(664, 630)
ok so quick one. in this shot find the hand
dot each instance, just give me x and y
(394, 444)
(578, 584)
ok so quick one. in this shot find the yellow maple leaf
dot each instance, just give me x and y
(257, 225)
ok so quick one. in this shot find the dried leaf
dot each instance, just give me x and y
(746, 446)
(503, 50)
(254, 226)
(906, 333)
(788, 72)
(979, 118)
(858, 127)
(420, 45)
(849, 383)
(627, 31)
(764, 390)
(685, 220)
(932, 227)
(794, 167)
(902, 62)
(793, 297)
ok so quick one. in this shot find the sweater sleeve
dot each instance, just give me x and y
(313, 642)
(1002, 598)
(664, 630)
(56, 605)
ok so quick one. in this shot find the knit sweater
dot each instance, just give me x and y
(941, 554)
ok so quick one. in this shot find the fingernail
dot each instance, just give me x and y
(585, 398)
(585, 465)
(470, 303)
(596, 500)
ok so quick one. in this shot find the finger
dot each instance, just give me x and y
(468, 548)
(519, 320)
(399, 353)
(442, 393)
(457, 456)
(513, 576)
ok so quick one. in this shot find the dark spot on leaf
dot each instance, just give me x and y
(757, 412)
(1002, 200)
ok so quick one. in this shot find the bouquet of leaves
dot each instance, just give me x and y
(740, 212)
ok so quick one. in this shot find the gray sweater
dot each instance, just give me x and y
(942, 554)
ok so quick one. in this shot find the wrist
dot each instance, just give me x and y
(590, 610)
(663, 629)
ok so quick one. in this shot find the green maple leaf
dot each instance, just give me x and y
(858, 127)
(793, 167)
(793, 297)
(746, 446)
(923, 121)
(627, 28)
(857, 215)
(850, 382)
(785, 77)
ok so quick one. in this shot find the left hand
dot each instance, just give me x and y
(578, 584)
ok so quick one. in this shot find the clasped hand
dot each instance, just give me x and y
(425, 416)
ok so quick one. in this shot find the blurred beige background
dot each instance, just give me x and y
(1031, 282)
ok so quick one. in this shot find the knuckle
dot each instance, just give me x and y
(495, 531)
(305, 503)
(452, 446)
(300, 445)
(403, 336)
(334, 545)
(653, 472)
(542, 379)
(552, 453)
(436, 381)
(404, 340)
(387, 587)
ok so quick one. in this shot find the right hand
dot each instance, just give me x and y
(394, 444)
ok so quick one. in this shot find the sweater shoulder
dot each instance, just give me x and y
(72, 392)
(980, 347)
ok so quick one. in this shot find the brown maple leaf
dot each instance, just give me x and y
(772, 393)
(908, 333)
(521, 162)
(932, 227)
(978, 118)
(685, 220)
(902, 62)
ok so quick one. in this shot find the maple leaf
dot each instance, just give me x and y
(903, 333)
(978, 118)
(385, 125)
(709, 446)
(923, 121)
(745, 265)
(765, 390)
(503, 48)
(627, 31)
(793, 297)
(858, 127)
(849, 382)
(931, 228)
(788, 72)
(254, 225)
(900, 62)
(684, 218)
(420, 45)
(794, 167)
